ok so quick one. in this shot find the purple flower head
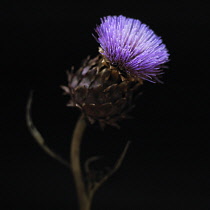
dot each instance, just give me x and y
(132, 47)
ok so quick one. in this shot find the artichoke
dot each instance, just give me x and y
(102, 92)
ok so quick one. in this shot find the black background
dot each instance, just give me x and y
(166, 165)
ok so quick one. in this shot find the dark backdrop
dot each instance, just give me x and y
(166, 166)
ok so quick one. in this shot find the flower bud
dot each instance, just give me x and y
(101, 92)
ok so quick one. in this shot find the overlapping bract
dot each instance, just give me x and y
(102, 94)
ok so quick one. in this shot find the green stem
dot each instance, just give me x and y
(83, 198)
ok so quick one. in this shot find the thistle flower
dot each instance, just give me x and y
(132, 47)
(105, 87)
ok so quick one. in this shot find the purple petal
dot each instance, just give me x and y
(132, 45)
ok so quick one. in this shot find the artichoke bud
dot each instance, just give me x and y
(101, 91)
